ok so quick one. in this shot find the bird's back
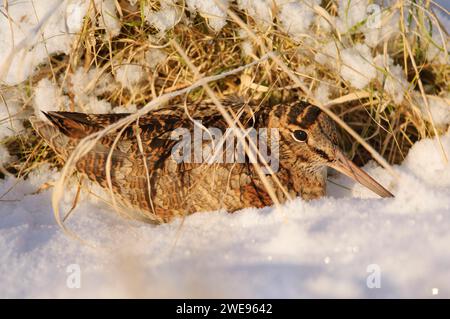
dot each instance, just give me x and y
(158, 187)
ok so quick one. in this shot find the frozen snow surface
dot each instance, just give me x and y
(331, 247)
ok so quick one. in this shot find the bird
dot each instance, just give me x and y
(147, 178)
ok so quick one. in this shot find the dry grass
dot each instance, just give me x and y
(372, 124)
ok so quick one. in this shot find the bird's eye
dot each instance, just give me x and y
(300, 136)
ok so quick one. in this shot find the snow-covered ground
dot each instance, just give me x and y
(349, 244)
(323, 248)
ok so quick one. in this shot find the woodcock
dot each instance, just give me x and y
(162, 188)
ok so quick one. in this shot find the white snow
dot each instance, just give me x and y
(328, 54)
(322, 92)
(350, 14)
(296, 17)
(164, 19)
(439, 107)
(86, 86)
(155, 57)
(108, 18)
(84, 83)
(247, 48)
(129, 75)
(215, 14)
(246, 44)
(358, 65)
(10, 119)
(393, 77)
(56, 35)
(5, 157)
(259, 10)
(321, 248)
(99, 106)
(47, 97)
(387, 27)
(15, 26)
(437, 52)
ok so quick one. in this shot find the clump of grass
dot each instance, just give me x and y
(390, 127)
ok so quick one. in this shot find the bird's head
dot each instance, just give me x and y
(308, 141)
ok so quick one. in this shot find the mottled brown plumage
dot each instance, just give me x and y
(174, 189)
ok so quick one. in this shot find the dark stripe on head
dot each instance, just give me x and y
(279, 111)
(321, 154)
(295, 111)
(312, 113)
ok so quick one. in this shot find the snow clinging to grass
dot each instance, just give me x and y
(129, 75)
(259, 10)
(393, 77)
(358, 66)
(439, 107)
(164, 19)
(108, 18)
(55, 36)
(388, 27)
(47, 98)
(296, 17)
(350, 14)
(5, 157)
(329, 54)
(155, 57)
(216, 15)
(10, 119)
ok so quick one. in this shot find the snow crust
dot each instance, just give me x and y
(322, 248)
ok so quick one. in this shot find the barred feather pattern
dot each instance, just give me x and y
(178, 189)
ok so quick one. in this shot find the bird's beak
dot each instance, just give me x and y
(347, 167)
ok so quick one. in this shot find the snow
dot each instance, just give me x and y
(296, 17)
(246, 45)
(10, 120)
(322, 92)
(57, 34)
(441, 15)
(215, 14)
(86, 86)
(5, 157)
(99, 106)
(358, 66)
(439, 108)
(108, 18)
(328, 54)
(259, 10)
(321, 248)
(247, 48)
(84, 83)
(129, 75)
(22, 16)
(155, 57)
(393, 77)
(164, 19)
(388, 27)
(47, 98)
(436, 50)
(350, 13)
